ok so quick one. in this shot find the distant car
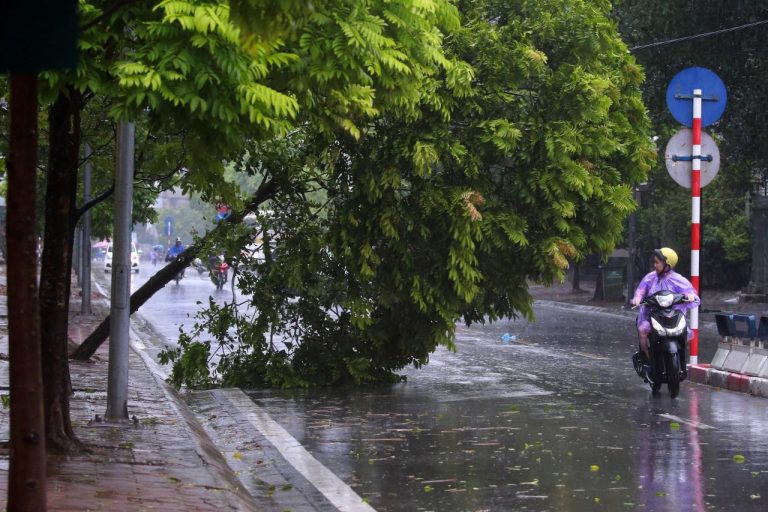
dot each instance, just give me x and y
(134, 259)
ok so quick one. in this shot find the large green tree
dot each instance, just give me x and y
(185, 68)
(438, 215)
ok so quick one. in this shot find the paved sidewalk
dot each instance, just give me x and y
(162, 461)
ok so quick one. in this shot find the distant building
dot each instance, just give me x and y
(171, 199)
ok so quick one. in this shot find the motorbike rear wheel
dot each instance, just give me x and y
(672, 363)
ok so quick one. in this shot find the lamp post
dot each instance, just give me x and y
(631, 242)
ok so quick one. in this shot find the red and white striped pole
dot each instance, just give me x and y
(695, 218)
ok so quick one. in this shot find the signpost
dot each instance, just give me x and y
(168, 223)
(680, 164)
(696, 97)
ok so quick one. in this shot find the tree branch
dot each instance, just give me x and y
(93, 202)
(163, 276)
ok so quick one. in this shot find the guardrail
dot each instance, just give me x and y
(743, 349)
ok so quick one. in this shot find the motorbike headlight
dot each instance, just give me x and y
(665, 300)
(679, 328)
(672, 331)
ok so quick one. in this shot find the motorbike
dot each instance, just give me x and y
(198, 265)
(666, 343)
(220, 274)
(178, 277)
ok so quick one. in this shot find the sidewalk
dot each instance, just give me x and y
(163, 460)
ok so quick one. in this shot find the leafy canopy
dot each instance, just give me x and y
(515, 158)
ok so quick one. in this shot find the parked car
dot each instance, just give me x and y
(134, 259)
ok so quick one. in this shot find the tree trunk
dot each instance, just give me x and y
(55, 274)
(92, 343)
(26, 471)
(163, 276)
(576, 277)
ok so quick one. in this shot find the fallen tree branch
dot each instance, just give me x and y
(92, 343)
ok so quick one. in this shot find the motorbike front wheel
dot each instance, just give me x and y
(672, 363)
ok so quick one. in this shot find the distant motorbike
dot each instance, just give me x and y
(666, 342)
(198, 265)
(220, 274)
(178, 277)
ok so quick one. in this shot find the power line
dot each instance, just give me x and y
(697, 36)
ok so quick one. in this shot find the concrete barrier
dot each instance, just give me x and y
(723, 349)
(762, 372)
(737, 382)
(736, 359)
(741, 361)
(755, 361)
(718, 378)
(699, 373)
(758, 387)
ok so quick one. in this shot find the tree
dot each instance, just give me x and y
(442, 214)
(184, 64)
(158, 94)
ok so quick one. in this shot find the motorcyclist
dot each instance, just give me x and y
(219, 270)
(663, 277)
(174, 252)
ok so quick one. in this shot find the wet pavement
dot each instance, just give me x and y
(160, 461)
(534, 426)
(554, 420)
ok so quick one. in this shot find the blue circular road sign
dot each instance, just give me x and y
(680, 96)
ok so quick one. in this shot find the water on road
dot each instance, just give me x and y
(555, 420)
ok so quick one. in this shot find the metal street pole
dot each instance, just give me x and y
(702, 114)
(85, 305)
(631, 256)
(77, 264)
(117, 375)
(695, 218)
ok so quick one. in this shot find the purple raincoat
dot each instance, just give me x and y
(670, 280)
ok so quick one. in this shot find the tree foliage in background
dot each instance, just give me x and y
(519, 157)
(739, 58)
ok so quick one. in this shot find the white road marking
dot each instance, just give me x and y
(694, 424)
(332, 487)
(590, 356)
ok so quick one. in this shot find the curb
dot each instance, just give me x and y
(210, 456)
(705, 374)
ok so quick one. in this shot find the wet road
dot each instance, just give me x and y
(556, 420)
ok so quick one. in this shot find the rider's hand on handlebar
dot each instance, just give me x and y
(690, 297)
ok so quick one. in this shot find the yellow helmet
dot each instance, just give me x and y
(666, 255)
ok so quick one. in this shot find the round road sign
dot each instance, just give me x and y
(680, 96)
(677, 157)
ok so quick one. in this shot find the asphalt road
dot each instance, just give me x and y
(554, 420)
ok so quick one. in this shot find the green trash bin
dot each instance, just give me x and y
(614, 280)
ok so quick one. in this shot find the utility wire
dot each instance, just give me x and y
(697, 36)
